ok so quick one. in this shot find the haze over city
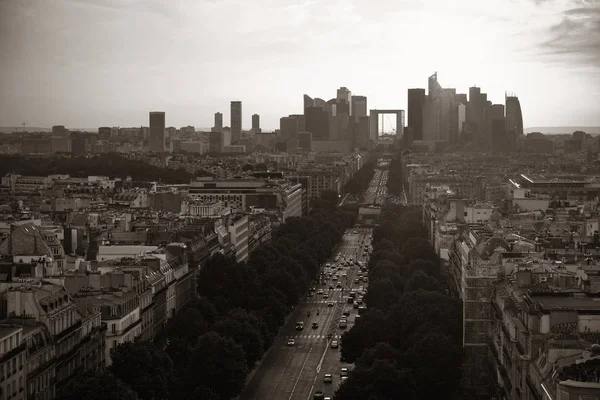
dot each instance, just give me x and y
(85, 63)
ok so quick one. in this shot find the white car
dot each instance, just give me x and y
(334, 344)
(291, 342)
(344, 372)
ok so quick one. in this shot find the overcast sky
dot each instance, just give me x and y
(89, 63)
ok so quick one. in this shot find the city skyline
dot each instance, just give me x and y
(110, 73)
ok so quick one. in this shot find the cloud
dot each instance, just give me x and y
(576, 38)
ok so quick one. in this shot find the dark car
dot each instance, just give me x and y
(315, 325)
(319, 395)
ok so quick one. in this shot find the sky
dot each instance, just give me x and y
(90, 63)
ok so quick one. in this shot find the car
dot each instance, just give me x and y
(343, 324)
(291, 342)
(356, 280)
(310, 294)
(365, 279)
(339, 285)
(315, 325)
(344, 372)
(346, 313)
(325, 295)
(334, 278)
(328, 378)
(327, 398)
(319, 395)
(299, 325)
(344, 378)
(330, 287)
(349, 300)
(355, 305)
(334, 344)
(320, 291)
(330, 304)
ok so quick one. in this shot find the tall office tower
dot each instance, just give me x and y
(477, 109)
(416, 102)
(500, 140)
(236, 121)
(216, 142)
(218, 123)
(317, 122)
(437, 124)
(104, 132)
(255, 123)
(362, 133)
(157, 131)
(338, 107)
(78, 143)
(461, 98)
(514, 117)
(308, 101)
(322, 104)
(305, 141)
(288, 127)
(358, 107)
(345, 95)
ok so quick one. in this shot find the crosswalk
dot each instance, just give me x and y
(309, 301)
(310, 336)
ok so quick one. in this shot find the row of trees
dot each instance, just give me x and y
(213, 344)
(395, 177)
(361, 179)
(408, 343)
(110, 164)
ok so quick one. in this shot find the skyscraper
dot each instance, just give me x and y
(344, 94)
(218, 123)
(358, 108)
(255, 123)
(317, 122)
(236, 121)
(416, 102)
(288, 127)
(514, 117)
(477, 109)
(308, 101)
(157, 131)
(437, 121)
(499, 138)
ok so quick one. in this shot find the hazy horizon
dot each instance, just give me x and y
(86, 63)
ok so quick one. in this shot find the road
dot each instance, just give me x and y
(296, 372)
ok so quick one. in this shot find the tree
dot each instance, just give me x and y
(420, 280)
(218, 363)
(429, 267)
(418, 248)
(438, 355)
(382, 381)
(381, 294)
(238, 327)
(369, 330)
(148, 370)
(188, 324)
(96, 384)
(381, 351)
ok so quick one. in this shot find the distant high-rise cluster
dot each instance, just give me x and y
(444, 117)
(333, 123)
